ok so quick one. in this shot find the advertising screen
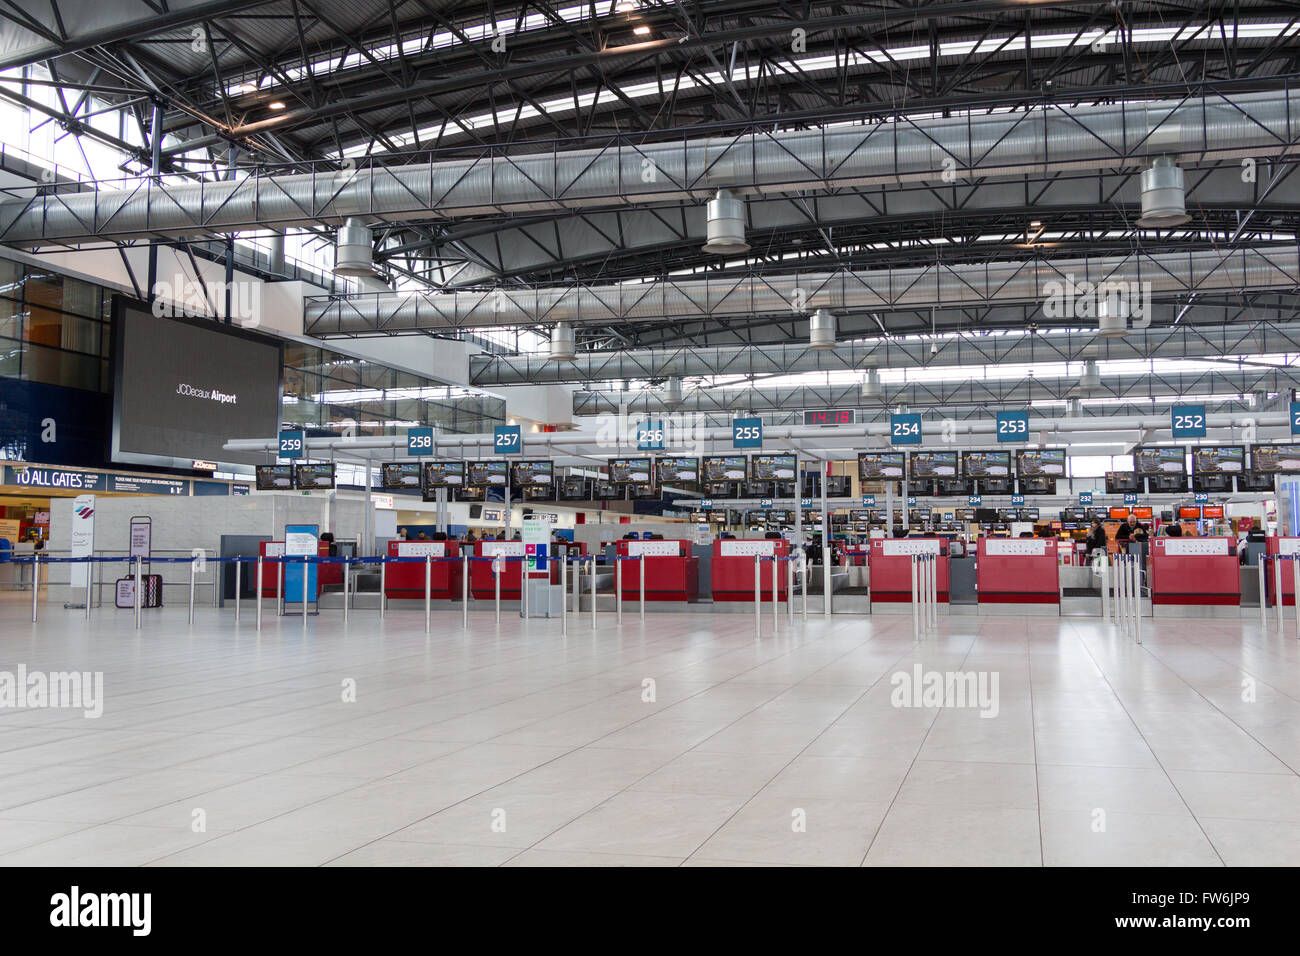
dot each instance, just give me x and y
(1275, 458)
(980, 464)
(624, 471)
(678, 471)
(182, 388)
(934, 464)
(274, 477)
(1217, 459)
(394, 475)
(725, 468)
(307, 477)
(538, 472)
(1160, 460)
(444, 474)
(1212, 511)
(1143, 513)
(773, 467)
(1189, 513)
(490, 471)
(1118, 514)
(1028, 514)
(1043, 461)
(877, 465)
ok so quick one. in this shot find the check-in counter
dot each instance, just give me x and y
(1017, 571)
(1201, 571)
(1282, 546)
(481, 582)
(890, 562)
(671, 571)
(405, 579)
(733, 568)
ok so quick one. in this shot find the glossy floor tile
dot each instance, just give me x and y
(686, 740)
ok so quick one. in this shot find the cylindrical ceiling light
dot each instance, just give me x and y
(1075, 407)
(352, 253)
(564, 345)
(726, 225)
(1091, 377)
(1112, 318)
(1164, 197)
(821, 330)
(673, 395)
(871, 385)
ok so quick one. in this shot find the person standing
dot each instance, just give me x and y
(1096, 539)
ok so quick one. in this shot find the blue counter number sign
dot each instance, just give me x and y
(1013, 426)
(1295, 418)
(649, 436)
(292, 444)
(507, 440)
(905, 429)
(1187, 421)
(419, 441)
(747, 433)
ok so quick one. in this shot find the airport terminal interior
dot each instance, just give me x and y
(649, 433)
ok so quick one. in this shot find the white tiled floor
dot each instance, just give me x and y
(513, 745)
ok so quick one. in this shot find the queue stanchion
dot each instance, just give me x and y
(934, 592)
(643, 588)
(577, 586)
(305, 576)
(194, 564)
(90, 583)
(1263, 595)
(618, 588)
(383, 575)
(238, 565)
(776, 594)
(1100, 568)
(826, 579)
(496, 582)
(1295, 591)
(1279, 603)
(803, 571)
(280, 585)
(347, 590)
(138, 589)
(259, 592)
(428, 590)
(564, 595)
(758, 599)
(36, 583)
(789, 589)
(523, 588)
(215, 602)
(464, 591)
(1137, 600)
(593, 592)
(916, 597)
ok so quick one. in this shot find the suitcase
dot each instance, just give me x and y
(125, 591)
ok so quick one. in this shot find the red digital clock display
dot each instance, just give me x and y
(829, 416)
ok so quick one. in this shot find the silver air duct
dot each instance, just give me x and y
(1091, 377)
(1112, 318)
(673, 395)
(726, 226)
(352, 253)
(1036, 141)
(1164, 197)
(821, 330)
(564, 345)
(871, 385)
(1075, 407)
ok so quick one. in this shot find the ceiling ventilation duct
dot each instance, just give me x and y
(726, 226)
(1112, 318)
(1075, 407)
(871, 385)
(564, 345)
(1164, 198)
(1091, 377)
(673, 397)
(821, 330)
(352, 253)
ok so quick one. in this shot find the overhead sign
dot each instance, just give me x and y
(747, 433)
(1201, 497)
(868, 501)
(1085, 497)
(911, 499)
(1295, 418)
(706, 504)
(129, 484)
(1013, 426)
(29, 477)
(1130, 499)
(765, 502)
(805, 502)
(1187, 421)
(419, 441)
(650, 436)
(1017, 499)
(975, 501)
(905, 429)
(506, 439)
(292, 444)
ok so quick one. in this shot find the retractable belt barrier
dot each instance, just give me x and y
(925, 594)
(1278, 594)
(1127, 605)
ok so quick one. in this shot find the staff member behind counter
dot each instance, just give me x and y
(1132, 530)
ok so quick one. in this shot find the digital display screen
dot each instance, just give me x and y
(934, 464)
(830, 416)
(922, 514)
(725, 468)
(1142, 514)
(1160, 460)
(623, 471)
(538, 472)
(490, 471)
(1189, 513)
(773, 467)
(1283, 459)
(182, 388)
(876, 465)
(1044, 461)
(1120, 514)
(1123, 483)
(986, 464)
(965, 514)
(607, 490)
(443, 474)
(1212, 511)
(1008, 514)
(274, 477)
(313, 476)
(394, 475)
(1218, 459)
(678, 471)
(1028, 514)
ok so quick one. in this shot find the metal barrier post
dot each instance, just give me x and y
(789, 589)
(194, 564)
(758, 600)
(1295, 592)
(916, 596)
(1278, 603)
(280, 584)
(826, 576)
(36, 583)
(259, 592)
(523, 588)
(1263, 595)
(90, 582)
(1121, 612)
(564, 596)
(1105, 589)
(347, 590)
(1137, 600)
(428, 589)
(238, 566)
(593, 592)
(934, 594)
(383, 590)
(803, 569)
(464, 591)
(496, 581)
(215, 576)
(776, 594)
(138, 589)
(643, 587)
(304, 594)
(618, 586)
(577, 585)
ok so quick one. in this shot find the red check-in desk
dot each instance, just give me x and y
(1194, 571)
(671, 572)
(1283, 546)
(405, 579)
(481, 583)
(733, 568)
(273, 570)
(890, 562)
(1017, 571)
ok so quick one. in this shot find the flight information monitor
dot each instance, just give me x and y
(986, 464)
(443, 474)
(626, 471)
(1043, 461)
(934, 464)
(489, 471)
(878, 465)
(730, 468)
(1275, 459)
(1218, 459)
(537, 472)
(678, 471)
(773, 467)
(395, 475)
(1160, 460)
